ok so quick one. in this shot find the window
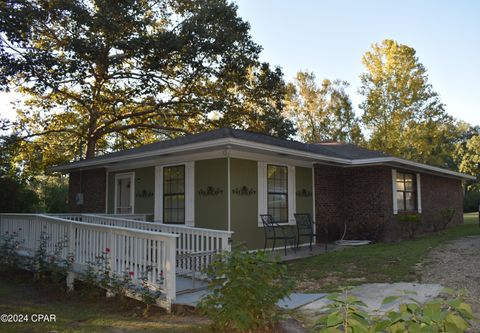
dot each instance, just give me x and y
(277, 192)
(124, 193)
(174, 194)
(406, 191)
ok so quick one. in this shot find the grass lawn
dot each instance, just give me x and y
(77, 313)
(383, 262)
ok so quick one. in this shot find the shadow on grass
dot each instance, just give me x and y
(382, 262)
(77, 312)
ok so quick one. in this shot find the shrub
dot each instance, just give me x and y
(148, 293)
(49, 265)
(9, 257)
(16, 196)
(410, 224)
(245, 288)
(344, 314)
(444, 218)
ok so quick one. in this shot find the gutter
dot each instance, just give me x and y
(257, 146)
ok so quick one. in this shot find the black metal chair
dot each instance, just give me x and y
(305, 228)
(275, 231)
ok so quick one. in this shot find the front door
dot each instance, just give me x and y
(124, 194)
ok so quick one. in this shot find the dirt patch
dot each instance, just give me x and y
(329, 281)
(456, 265)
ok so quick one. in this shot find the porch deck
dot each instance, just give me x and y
(305, 252)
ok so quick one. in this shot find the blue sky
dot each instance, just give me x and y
(330, 37)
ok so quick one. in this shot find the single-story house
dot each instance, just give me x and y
(224, 179)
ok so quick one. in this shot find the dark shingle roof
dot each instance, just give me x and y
(336, 150)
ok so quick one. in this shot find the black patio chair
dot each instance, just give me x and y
(275, 231)
(305, 228)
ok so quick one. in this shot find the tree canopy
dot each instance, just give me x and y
(105, 74)
(469, 158)
(322, 113)
(402, 113)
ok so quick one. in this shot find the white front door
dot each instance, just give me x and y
(124, 193)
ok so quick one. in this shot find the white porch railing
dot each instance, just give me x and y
(199, 242)
(130, 249)
(78, 216)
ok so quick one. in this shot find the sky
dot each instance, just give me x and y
(329, 38)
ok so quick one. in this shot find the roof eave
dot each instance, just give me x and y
(235, 142)
(393, 160)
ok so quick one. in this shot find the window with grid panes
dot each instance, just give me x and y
(174, 194)
(406, 192)
(277, 192)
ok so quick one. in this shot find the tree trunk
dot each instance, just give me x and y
(91, 145)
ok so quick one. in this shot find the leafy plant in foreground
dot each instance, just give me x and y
(345, 314)
(245, 288)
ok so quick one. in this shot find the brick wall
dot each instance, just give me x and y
(439, 193)
(361, 197)
(92, 183)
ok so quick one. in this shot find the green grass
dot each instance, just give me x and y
(80, 314)
(383, 262)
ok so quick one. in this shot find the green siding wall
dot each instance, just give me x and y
(303, 195)
(211, 211)
(244, 208)
(144, 190)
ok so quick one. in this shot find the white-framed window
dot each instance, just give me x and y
(276, 192)
(406, 189)
(124, 193)
(174, 193)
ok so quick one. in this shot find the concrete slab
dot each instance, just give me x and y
(295, 300)
(373, 294)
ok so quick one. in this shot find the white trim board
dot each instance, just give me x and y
(221, 153)
(262, 191)
(394, 192)
(261, 148)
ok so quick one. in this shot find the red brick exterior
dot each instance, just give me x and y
(362, 198)
(92, 183)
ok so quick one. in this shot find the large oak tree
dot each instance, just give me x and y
(99, 75)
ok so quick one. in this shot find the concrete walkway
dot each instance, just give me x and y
(373, 294)
(294, 301)
(189, 294)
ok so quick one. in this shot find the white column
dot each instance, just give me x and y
(262, 190)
